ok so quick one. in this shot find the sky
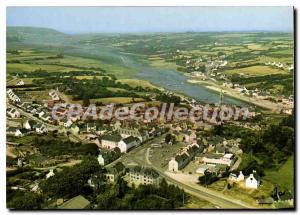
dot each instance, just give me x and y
(152, 19)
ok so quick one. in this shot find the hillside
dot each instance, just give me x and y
(35, 35)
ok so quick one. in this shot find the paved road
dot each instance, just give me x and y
(140, 156)
(201, 192)
(49, 126)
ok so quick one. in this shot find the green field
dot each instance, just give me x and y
(255, 71)
(136, 83)
(284, 176)
(117, 100)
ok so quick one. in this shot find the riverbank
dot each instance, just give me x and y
(230, 92)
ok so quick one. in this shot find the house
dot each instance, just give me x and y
(220, 149)
(78, 202)
(110, 141)
(68, 123)
(236, 177)
(41, 128)
(54, 95)
(114, 172)
(128, 143)
(29, 124)
(97, 180)
(189, 136)
(18, 132)
(50, 173)
(74, 129)
(178, 162)
(20, 83)
(202, 169)
(253, 181)
(12, 113)
(101, 160)
(46, 117)
(40, 113)
(185, 156)
(12, 96)
(20, 162)
(139, 175)
(135, 132)
(91, 127)
(227, 159)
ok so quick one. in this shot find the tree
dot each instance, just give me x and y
(168, 138)
(26, 201)
(72, 181)
(86, 102)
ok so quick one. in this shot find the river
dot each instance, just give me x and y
(177, 82)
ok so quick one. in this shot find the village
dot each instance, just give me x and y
(186, 149)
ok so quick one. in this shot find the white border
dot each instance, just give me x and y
(5, 3)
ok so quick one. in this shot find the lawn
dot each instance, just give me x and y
(89, 77)
(255, 71)
(15, 67)
(26, 80)
(117, 100)
(284, 176)
(136, 83)
(257, 46)
(160, 62)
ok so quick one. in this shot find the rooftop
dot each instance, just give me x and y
(78, 202)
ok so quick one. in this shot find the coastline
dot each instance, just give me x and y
(265, 104)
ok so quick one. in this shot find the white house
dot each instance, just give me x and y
(227, 159)
(178, 162)
(20, 83)
(110, 141)
(68, 123)
(54, 95)
(140, 175)
(12, 113)
(13, 96)
(128, 143)
(41, 128)
(40, 113)
(189, 136)
(29, 124)
(252, 181)
(18, 132)
(101, 160)
(50, 173)
(236, 178)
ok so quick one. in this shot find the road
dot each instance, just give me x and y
(49, 126)
(140, 156)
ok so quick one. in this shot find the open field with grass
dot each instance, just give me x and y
(18, 67)
(284, 176)
(250, 195)
(157, 61)
(26, 80)
(31, 60)
(136, 83)
(118, 100)
(255, 71)
(89, 77)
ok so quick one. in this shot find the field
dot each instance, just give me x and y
(255, 71)
(117, 100)
(136, 83)
(19, 67)
(29, 60)
(284, 176)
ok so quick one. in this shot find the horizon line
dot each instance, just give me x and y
(157, 32)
